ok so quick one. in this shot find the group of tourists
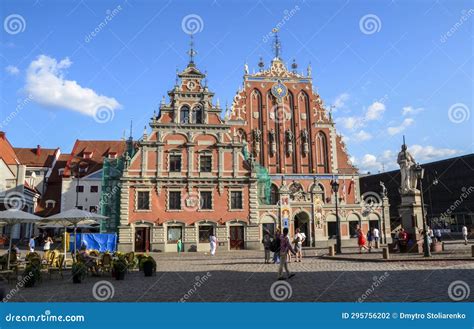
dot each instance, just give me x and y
(283, 248)
(370, 241)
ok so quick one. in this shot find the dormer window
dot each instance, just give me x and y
(50, 204)
(112, 155)
(87, 155)
(184, 114)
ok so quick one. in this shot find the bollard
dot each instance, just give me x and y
(442, 246)
(332, 253)
(386, 254)
(377, 244)
(472, 250)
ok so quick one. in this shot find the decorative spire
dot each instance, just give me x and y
(131, 129)
(191, 51)
(309, 69)
(177, 78)
(276, 44)
(294, 66)
(261, 64)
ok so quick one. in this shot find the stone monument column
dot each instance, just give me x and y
(410, 206)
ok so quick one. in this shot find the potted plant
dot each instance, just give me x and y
(148, 264)
(79, 272)
(119, 267)
(31, 275)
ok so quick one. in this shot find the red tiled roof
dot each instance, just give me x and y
(97, 149)
(7, 153)
(36, 157)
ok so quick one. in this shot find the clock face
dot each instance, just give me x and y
(279, 90)
(191, 85)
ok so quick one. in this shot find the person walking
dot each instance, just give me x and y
(179, 245)
(285, 247)
(276, 247)
(370, 239)
(464, 234)
(213, 243)
(376, 236)
(438, 234)
(267, 241)
(361, 240)
(31, 244)
(298, 241)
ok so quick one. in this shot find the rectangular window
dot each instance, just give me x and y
(205, 163)
(174, 233)
(93, 209)
(175, 163)
(205, 200)
(94, 189)
(175, 200)
(204, 232)
(79, 207)
(80, 189)
(236, 200)
(143, 200)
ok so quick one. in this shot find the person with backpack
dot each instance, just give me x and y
(285, 247)
(275, 247)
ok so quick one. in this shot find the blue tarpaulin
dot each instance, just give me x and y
(98, 241)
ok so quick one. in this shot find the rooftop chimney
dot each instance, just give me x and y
(38, 149)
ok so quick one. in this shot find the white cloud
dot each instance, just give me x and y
(387, 160)
(410, 110)
(362, 136)
(398, 129)
(341, 100)
(45, 81)
(12, 70)
(430, 153)
(375, 111)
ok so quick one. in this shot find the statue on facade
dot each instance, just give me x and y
(384, 189)
(257, 137)
(407, 165)
(289, 140)
(304, 139)
(271, 136)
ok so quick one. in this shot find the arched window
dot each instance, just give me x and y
(274, 194)
(198, 114)
(184, 114)
(322, 152)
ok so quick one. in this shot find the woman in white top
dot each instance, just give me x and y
(213, 243)
(47, 247)
(464, 234)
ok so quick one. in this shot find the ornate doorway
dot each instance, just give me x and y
(301, 221)
(236, 237)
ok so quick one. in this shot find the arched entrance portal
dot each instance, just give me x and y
(301, 221)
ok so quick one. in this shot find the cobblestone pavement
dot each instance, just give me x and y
(242, 276)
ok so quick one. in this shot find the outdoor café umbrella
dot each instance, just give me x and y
(11, 217)
(74, 217)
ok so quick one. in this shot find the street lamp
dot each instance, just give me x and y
(335, 188)
(419, 171)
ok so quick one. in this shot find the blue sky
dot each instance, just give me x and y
(389, 67)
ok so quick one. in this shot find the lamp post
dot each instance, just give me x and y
(335, 188)
(382, 226)
(419, 171)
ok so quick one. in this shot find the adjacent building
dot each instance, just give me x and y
(448, 192)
